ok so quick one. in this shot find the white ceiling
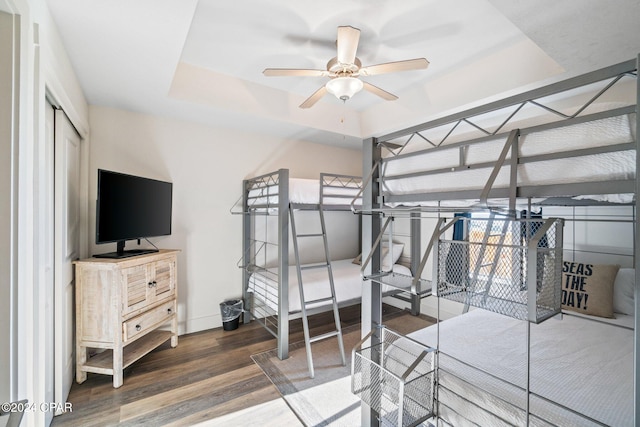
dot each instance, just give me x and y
(202, 60)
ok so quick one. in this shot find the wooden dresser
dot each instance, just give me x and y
(120, 306)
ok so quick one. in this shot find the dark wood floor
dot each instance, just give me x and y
(208, 375)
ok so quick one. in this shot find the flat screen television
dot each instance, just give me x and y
(131, 207)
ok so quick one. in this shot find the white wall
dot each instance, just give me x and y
(207, 167)
(343, 235)
(597, 234)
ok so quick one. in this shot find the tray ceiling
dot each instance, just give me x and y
(203, 60)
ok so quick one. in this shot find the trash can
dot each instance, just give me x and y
(230, 310)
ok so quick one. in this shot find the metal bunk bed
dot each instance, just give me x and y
(269, 281)
(512, 173)
(267, 262)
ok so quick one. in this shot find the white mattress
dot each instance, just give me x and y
(346, 278)
(583, 365)
(305, 191)
(596, 167)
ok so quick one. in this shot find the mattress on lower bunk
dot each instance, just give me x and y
(306, 191)
(346, 278)
(580, 364)
(617, 165)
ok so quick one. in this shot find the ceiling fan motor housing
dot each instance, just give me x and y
(339, 69)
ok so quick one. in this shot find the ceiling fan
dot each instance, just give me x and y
(345, 69)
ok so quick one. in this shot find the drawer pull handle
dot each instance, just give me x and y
(169, 310)
(151, 284)
(138, 327)
(155, 283)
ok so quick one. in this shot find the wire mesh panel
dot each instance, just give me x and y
(395, 378)
(508, 266)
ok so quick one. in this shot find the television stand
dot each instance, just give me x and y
(126, 307)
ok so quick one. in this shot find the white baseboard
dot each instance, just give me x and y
(428, 306)
(189, 326)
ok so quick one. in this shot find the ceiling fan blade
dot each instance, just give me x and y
(391, 67)
(348, 39)
(288, 72)
(377, 91)
(309, 102)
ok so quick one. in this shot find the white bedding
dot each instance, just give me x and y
(584, 365)
(346, 278)
(597, 167)
(305, 191)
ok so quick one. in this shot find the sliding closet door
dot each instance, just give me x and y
(67, 248)
(46, 259)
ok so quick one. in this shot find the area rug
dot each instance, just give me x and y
(325, 400)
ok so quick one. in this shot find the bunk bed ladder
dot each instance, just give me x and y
(304, 304)
(492, 262)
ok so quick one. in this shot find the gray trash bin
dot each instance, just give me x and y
(230, 310)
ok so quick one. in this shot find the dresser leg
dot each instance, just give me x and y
(81, 359)
(117, 368)
(174, 330)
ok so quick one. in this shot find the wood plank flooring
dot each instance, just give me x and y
(209, 375)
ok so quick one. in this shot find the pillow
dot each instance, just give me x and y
(588, 288)
(386, 255)
(623, 291)
(397, 249)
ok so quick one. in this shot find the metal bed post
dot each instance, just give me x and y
(371, 316)
(247, 221)
(636, 264)
(283, 263)
(416, 239)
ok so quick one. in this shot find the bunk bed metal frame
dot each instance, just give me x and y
(259, 198)
(377, 201)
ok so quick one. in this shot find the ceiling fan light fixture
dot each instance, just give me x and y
(344, 87)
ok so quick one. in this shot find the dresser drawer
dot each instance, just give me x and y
(148, 320)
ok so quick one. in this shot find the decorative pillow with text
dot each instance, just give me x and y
(588, 288)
